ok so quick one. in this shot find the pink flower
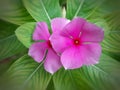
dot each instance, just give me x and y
(38, 49)
(77, 42)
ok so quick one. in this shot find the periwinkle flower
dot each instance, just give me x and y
(37, 50)
(72, 44)
(76, 41)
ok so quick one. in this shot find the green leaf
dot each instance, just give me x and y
(13, 11)
(109, 6)
(111, 13)
(50, 85)
(115, 55)
(111, 41)
(28, 74)
(62, 2)
(6, 29)
(24, 33)
(82, 8)
(103, 76)
(10, 46)
(4, 66)
(43, 10)
(70, 80)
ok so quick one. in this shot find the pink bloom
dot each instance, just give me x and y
(38, 49)
(77, 42)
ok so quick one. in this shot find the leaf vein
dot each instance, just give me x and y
(80, 6)
(45, 11)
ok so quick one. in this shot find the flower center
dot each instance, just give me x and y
(76, 42)
(49, 44)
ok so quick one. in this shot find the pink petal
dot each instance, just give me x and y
(60, 43)
(52, 62)
(37, 51)
(90, 53)
(41, 32)
(92, 33)
(71, 58)
(75, 57)
(73, 28)
(58, 24)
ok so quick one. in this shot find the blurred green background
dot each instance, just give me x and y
(17, 22)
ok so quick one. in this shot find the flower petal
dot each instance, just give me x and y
(60, 43)
(37, 51)
(75, 57)
(90, 53)
(92, 33)
(41, 32)
(57, 24)
(71, 58)
(52, 62)
(73, 28)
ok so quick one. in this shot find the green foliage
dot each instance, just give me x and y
(43, 10)
(10, 46)
(5, 65)
(112, 36)
(24, 33)
(109, 6)
(13, 11)
(82, 8)
(26, 74)
(6, 29)
(103, 76)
